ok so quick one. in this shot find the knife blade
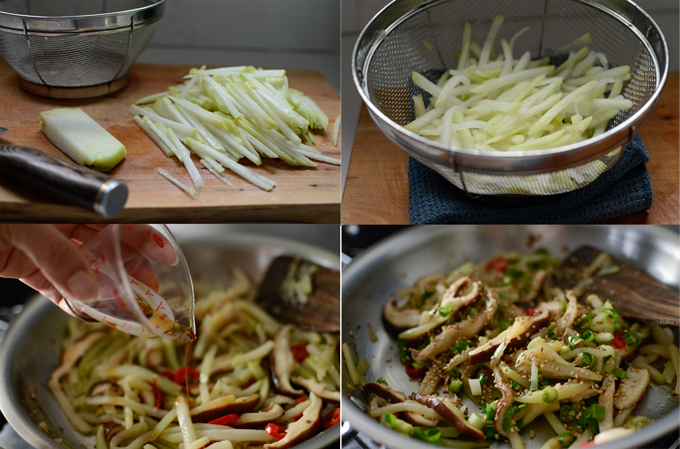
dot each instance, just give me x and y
(48, 175)
(2, 130)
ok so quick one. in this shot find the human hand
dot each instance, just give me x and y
(46, 257)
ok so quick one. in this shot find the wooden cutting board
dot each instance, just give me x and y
(300, 194)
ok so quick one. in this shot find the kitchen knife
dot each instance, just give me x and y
(60, 179)
(2, 130)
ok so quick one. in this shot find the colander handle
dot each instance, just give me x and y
(62, 180)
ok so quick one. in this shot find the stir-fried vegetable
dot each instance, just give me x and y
(131, 391)
(505, 104)
(572, 359)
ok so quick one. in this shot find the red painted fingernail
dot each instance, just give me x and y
(158, 240)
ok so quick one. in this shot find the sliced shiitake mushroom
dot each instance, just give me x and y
(606, 400)
(264, 416)
(223, 406)
(282, 361)
(302, 429)
(448, 410)
(152, 358)
(385, 392)
(394, 396)
(631, 388)
(105, 388)
(502, 404)
(401, 319)
(518, 334)
(449, 297)
(75, 352)
(567, 320)
(317, 388)
(455, 332)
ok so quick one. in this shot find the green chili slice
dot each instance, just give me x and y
(572, 340)
(620, 326)
(589, 336)
(587, 360)
(612, 312)
(568, 414)
(632, 338)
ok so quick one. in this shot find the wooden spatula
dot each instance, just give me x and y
(321, 312)
(633, 292)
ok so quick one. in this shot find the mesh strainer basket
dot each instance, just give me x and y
(393, 45)
(75, 48)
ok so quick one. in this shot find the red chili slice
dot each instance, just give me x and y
(588, 444)
(157, 393)
(168, 374)
(249, 383)
(226, 420)
(182, 372)
(532, 312)
(619, 342)
(498, 264)
(300, 352)
(275, 431)
(413, 372)
(331, 418)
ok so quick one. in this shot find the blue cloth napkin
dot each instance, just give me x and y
(622, 190)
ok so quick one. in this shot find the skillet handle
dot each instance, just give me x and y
(48, 175)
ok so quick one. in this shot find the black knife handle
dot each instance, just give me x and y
(60, 179)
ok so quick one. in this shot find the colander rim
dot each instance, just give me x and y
(154, 4)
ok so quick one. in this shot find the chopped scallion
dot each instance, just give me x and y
(429, 435)
(612, 312)
(549, 394)
(619, 373)
(455, 386)
(566, 439)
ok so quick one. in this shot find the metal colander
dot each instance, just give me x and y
(424, 36)
(75, 48)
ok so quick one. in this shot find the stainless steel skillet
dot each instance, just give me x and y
(378, 274)
(31, 349)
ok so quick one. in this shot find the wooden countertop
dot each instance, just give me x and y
(300, 194)
(376, 189)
